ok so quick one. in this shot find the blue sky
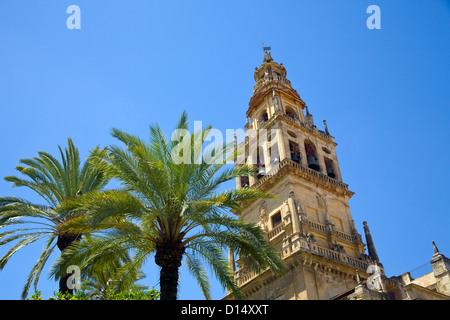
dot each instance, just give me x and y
(384, 94)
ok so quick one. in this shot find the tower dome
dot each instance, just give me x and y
(269, 71)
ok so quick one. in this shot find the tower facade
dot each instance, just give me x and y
(310, 223)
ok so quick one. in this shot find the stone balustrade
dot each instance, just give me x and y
(244, 276)
(275, 231)
(261, 82)
(289, 162)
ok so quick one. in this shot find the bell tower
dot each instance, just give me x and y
(310, 224)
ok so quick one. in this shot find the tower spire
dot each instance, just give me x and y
(307, 111)
(370, 244)
(326, 127)
(436, 250)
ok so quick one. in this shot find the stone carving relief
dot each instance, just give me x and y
(263, 216)
(310, 237)
(321, 202)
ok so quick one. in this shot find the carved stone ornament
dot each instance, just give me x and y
(337, 247)
(263, 211)
(267, 57)
(321, 202)
(310, 237)
(276, 103)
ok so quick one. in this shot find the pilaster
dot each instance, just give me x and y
(441, 270)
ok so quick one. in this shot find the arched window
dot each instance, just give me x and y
(329, 167)
(261, 165)
(295, 151)
(311, 156)
(263, 117)
(274, 154)
(291, 112)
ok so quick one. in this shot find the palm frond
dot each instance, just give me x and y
(196, 268)
(39, 265)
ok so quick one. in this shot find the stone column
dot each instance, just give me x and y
(266, 156)
(304, 160)
(321, 161)
(264, 220)
(337, 169)
(252, 140)
(283, 152)
(296, 227)
(238, 183)
(276, 103)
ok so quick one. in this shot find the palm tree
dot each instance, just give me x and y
(173, 210)
(55, 183)
(105, 279)
(101, 284)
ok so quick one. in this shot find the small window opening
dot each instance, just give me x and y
(291, 113)
(261, 165)
(276, 219)
(311, 157)
(329, 167)
(264, 117)
(245, 181)
(295, 151)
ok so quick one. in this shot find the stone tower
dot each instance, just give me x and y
(310, 224)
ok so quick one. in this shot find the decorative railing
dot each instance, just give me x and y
(264, 81)
(317, 174)
(345, 236)
(342, 235)
(243, 276)
(289, 162)
(275, 231)
(317, 226)
(297, 121)
(327, 253)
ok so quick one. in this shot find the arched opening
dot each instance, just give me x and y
(263, 116)
(330, 168)
(295, 151)
(245, 181)
(311, 156)
(261, 165)
(274, 154)
(291, 112)
(276, 219)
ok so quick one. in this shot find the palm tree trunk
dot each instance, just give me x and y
(168, 256)
(168, 278)
(63, 288)
(64, 241)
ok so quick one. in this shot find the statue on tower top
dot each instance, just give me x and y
(267, 57)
